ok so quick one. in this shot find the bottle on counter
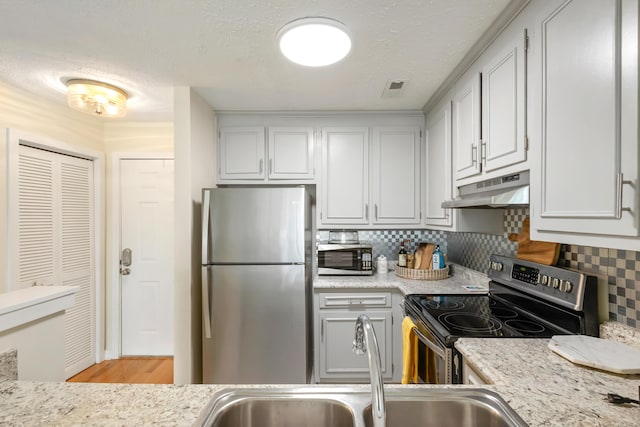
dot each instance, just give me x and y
(437, 259)
(402, 255)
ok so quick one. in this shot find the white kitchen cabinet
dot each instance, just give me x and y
(471, 377)
(395, 186)
(503, 101)
(370, 181)
(241, 153)
(291, 153)
(439, 185)
(585, 95)
(336, 315)
(466, 126)
(245, 154)
(489, 110)
(345, 176)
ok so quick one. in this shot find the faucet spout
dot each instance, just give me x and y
(366, 342)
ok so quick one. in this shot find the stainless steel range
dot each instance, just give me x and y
(525, 300)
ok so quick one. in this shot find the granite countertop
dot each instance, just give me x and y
(458, 277)
(546, 389)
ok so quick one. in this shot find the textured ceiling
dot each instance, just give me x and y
(226, 50)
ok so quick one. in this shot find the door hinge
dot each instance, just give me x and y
(526, 143)
(526, 41)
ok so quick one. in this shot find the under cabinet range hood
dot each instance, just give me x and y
(505, 191)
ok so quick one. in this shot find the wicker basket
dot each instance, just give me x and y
(410, 273)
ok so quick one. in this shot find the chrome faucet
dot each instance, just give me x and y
(366, 342)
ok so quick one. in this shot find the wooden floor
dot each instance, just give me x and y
(129, 370)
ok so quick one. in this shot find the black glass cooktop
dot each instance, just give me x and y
(476, 316)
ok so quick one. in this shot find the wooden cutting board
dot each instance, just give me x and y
(532, 250)
(610, 356)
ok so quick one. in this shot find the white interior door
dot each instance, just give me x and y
(56, 222)
(146, 188)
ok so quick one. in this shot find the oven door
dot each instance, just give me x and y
(437, 363)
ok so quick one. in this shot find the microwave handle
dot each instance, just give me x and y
(426, 341)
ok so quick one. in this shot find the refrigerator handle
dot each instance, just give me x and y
(206, 315)
(206, 212)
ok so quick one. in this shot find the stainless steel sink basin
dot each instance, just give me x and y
(449, 409)
(345, 406)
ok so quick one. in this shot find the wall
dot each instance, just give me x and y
(195, 144)
(26, 112)
(617, 271)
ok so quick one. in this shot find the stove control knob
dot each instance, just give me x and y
(565, 286)
(555, 283)
(497, 266)
(543, 280)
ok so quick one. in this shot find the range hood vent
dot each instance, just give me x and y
(505, 191)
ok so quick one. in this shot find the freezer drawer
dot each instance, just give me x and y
(259, 325)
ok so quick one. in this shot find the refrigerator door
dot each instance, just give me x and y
(258, 325)
(255, 225)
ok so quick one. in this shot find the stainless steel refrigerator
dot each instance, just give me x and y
(257, 285)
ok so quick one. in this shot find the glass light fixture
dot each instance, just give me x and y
(314, 42)
(96, 98)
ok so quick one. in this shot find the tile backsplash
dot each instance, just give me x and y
(618, 271)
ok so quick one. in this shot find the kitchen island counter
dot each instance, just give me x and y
(458, 277)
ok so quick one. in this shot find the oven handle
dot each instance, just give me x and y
(426, 341)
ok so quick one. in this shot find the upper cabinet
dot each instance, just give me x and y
(344, 193)
(585, 89)
(287, 153)
(489, 109)
(504, 101)
(370, 176)
(466, 126)
(439, 186)
(241, 153)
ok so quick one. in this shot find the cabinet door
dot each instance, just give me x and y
(345, 176)
(337, 359)
(242, 153)
(438, 173)
(503, 102)
(587, 77)
(466, 127)
(396, 175)
(291, 153)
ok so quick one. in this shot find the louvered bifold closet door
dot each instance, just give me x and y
(36, 218)
(57, 217)
(76, 204)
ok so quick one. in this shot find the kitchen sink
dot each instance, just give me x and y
(453, 409)
(345, 406)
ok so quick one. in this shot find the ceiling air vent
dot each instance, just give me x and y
(394, 88)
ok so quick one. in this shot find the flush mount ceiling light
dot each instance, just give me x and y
(314, 42)
(96, 98)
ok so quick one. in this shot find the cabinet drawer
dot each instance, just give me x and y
(335, 300)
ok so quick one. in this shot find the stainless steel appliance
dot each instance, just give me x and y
(505, 191)
(349, 259)
(525, 300)
(256, 285)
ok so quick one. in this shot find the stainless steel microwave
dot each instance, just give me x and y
(345, 259)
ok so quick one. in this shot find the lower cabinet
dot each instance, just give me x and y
(471, 376)
(335, 316)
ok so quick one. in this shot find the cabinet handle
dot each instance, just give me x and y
(474, 154)
(619, 184)
(322, 330)
(366, 211)
(375, 208)
(483, 151)
(260, 166)
(270, 166)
